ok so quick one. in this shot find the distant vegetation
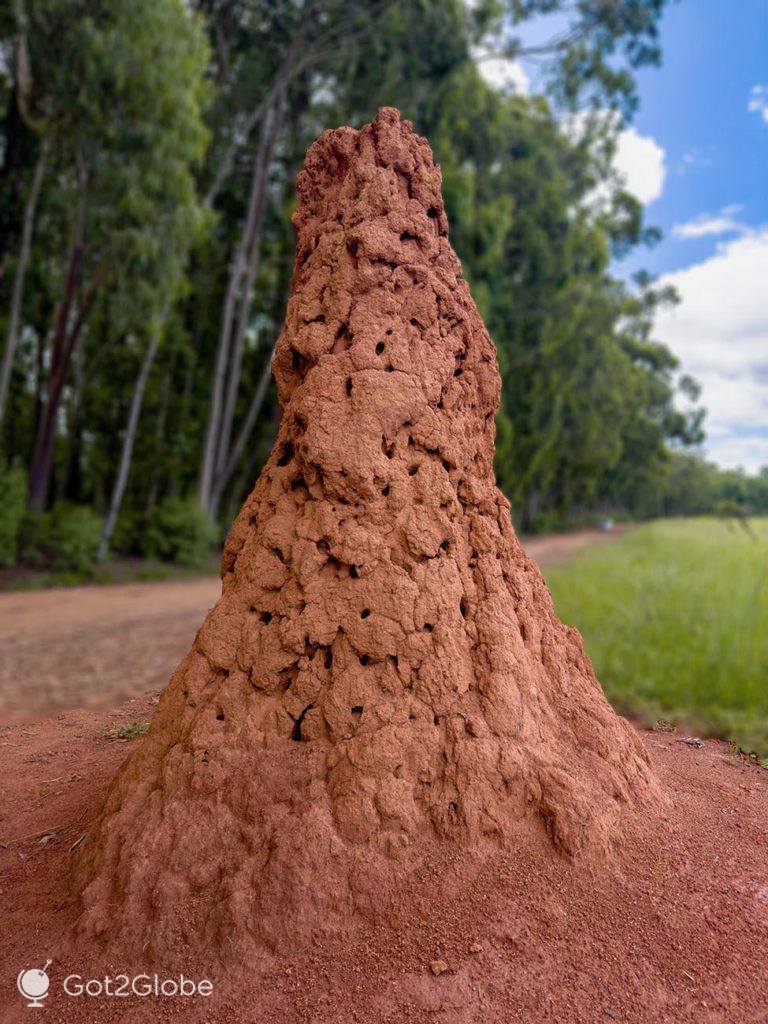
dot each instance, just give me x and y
(148, 155)
(674, 617)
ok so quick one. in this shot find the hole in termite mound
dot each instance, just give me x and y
(298, 722)
(286, 455)
(298, 362)
(357, 709)
(287, 677)
(364, 659)
(365, 613)
(379, 348)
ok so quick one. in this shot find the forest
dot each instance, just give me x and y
(149, 155)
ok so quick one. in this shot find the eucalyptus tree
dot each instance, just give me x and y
(340, 61)
(119, 89)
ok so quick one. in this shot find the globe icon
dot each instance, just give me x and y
(34, 984)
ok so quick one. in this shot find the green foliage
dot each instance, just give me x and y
(688, 486)
(588, 399)
(64, 539)
(152, 110)
(178, 531)
(673, 615)
(13, 489)
(118, 90)
(591, 63)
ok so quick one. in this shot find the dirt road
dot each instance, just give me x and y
(94, 647)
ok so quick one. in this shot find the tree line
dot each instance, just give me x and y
(149, 153)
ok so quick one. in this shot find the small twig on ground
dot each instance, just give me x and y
(48, 831)
(77, 842)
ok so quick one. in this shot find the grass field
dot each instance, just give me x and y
(675, 619)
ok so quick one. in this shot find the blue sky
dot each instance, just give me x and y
(697, 155)
(696, 107)
(706, 110)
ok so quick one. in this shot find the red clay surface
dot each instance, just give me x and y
(518, 934)
(93, 647)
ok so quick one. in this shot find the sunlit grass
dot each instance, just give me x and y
(675, 619)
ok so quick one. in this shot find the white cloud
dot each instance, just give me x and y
(722, 223)
(748, 451)
(640, 162)
(720, 334)
(691, 158)
(758, 101)
(501, 73)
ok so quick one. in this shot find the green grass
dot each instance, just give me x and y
(675, 619)
(129, 732)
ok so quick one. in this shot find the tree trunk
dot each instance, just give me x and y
(42, 459)
(128, 441)
(162, 416)
(227, 160)
(17, 295)
(242, 274)
(65, 338)
(271, 129)
(244, 433)
(71, 483)
(229, 352)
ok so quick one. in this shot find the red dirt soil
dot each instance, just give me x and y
(677, 932)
